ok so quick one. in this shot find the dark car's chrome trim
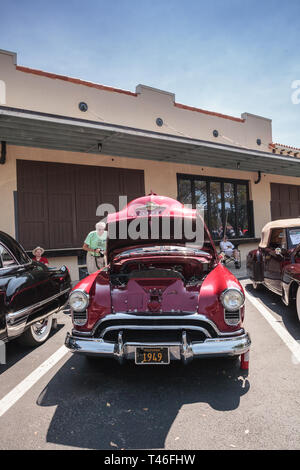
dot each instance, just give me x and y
(16, 321)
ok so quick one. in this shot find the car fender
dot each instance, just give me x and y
(97, 287)
(290, 282)
(209, 304)
(255, 265)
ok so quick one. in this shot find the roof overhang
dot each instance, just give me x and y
(35, 129)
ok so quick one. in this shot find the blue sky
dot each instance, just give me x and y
(228, 56)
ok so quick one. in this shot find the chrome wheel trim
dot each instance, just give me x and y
(41, 329)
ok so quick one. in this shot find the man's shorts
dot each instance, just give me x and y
(228, 252)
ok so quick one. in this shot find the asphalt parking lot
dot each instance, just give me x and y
(209, 404)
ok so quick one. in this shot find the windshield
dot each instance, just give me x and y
(293, 237)
(164, 249)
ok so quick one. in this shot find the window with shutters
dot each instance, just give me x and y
(57, 202)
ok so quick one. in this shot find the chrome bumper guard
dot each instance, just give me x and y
(185, 351)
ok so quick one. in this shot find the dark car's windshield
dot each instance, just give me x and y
(293, 237)
(14, 248)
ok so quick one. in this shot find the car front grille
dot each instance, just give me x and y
(153, 336)
(232, 318)
(79, 318)
(154, 330)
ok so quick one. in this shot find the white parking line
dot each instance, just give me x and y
(289, 341)
(17, 392)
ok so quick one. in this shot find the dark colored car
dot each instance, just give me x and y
(161, 298)
(276, 262)
(30, 293)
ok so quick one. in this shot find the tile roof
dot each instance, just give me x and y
(77, 81)
(274, 145)
(211, 113)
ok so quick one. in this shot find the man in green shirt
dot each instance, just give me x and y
(95, 246)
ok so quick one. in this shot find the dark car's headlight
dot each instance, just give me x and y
(232, 299)
(78, 300)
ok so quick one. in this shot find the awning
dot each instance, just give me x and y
(34, 129)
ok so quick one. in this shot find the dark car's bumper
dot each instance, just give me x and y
(211, 347)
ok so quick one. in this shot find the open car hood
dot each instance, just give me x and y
(155, 220)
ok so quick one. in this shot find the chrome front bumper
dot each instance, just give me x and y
(185, 351)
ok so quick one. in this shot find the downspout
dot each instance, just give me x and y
(3, 152)
(259, 178)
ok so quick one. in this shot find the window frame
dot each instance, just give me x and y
(279, 230)
(17, 264)
(235, 182)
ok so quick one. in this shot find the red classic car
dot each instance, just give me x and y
(276, 262)
(161, 297)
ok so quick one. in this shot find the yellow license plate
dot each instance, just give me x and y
(148, 355)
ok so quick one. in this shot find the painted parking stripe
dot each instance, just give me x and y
(289, 341)
(17, 392)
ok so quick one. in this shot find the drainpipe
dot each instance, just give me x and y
(259, 178)
(3, 152)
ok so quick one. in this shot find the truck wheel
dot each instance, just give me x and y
(37, 333)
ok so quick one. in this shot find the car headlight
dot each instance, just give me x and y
(78, 300)
(232, 299)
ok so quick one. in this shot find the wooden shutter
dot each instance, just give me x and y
(33, 217)
(285, 201)
(57, 202)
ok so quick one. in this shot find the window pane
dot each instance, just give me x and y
(223, 202)
(278, 238)
(216, 225)
(242, 211)
(185, 191)
(6, 258)
(229, 206)
(201, 197)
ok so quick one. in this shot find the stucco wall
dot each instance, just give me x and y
(159, 177)
(44, 92)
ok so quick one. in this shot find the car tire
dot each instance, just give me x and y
(37, 333)
(298, 303)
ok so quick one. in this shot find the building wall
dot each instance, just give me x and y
(48, 93)
(44, 92)
(160, 177)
